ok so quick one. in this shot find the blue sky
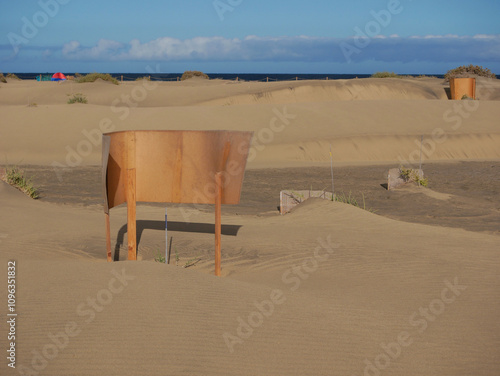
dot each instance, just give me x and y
(248, 36)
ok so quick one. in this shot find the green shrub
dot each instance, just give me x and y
(469, 71)
(78, 98)
(411, 175)
(92, 77)
(190, 74)
(16, 178)
(386, 75)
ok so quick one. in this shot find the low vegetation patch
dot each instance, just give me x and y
(78, 98)
(147, 78)
(160, 257)
(16, 177)
(12, 76)
(386, 75)
(92, 77)
(412, 175)
(465, 71)
(190, 74)
(2, 78)
(351, 200)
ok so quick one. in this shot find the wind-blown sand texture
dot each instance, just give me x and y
(328, 289)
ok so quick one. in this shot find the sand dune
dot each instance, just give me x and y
(326, 289)
(291, 126)
(370, 275)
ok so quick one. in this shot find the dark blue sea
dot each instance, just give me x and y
(224, 76)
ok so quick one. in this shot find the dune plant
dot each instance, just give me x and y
(92, 77)
(2, 78)
(412, 175)
(12, 76)
(147, 78)
(16, 177)
(78, 98)
(160, 257)
(177, 258)
(351, 200)
(190, 74)
(386, 75)
(469, 71)
(192, 262)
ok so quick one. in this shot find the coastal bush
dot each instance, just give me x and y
(2, 78)
(190, 74)
(147, 78)
(78, 98)
(12, 76)
(386, 75)
(16, 178)
(469, 71)
(92, 77)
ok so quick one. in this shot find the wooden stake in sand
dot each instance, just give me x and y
(167, 256)
(421, 143)
(331, 165)
(108, 236)
(218, 225)
(131, 198)
(420, 166)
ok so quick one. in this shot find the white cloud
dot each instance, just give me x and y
(431, 48)
(70, 48)
(105, 49)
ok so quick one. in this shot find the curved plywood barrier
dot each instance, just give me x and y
(201, 167)
(462, 86)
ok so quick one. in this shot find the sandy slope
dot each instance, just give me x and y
(361, 291)
(350, 282)
(370, 120)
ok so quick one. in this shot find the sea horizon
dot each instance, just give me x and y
(229, 76)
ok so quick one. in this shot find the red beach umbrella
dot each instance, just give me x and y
(58, 77)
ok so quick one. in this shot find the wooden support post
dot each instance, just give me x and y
(122, 77)
(108, 237)
(131, 198)
(218, 224)
(267, 79)
(131, 214)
